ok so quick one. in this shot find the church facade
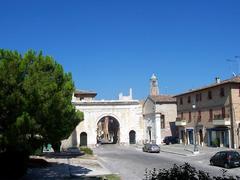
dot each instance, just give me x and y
(122, 121)
(159, 114)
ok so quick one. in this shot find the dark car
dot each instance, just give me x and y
(170, 140)
(72, 151)
(151, 148)
(226, 159)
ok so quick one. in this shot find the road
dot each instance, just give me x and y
(130, 162)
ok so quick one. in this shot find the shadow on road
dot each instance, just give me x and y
(42, 169)
(63, 155)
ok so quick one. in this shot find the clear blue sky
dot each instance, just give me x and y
(112, 45)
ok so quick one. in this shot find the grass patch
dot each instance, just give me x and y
(111, 177)
(86, 150)
(105, 177)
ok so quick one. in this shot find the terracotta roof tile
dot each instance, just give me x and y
(163, 98)
(235, 79)
(77, 91)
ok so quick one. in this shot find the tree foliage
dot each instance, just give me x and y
(35, 100)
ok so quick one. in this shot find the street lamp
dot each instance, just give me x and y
(195, 148)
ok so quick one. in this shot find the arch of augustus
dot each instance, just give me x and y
(122, 121)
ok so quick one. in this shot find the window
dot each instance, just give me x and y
(199, 116)
(222, 93)
(189, 117)
(198, 97)
(239, 91)
(223, 112)
(189, 99)
(209, 94)
(210, 114)
(162, 122)
(181, 101)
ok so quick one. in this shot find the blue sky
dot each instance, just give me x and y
(112, 45)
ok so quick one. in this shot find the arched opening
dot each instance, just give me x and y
(201, 136)
(108, 130)
(132, 137)
(83, 139)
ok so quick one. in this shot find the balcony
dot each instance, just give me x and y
(219, 120)
(180, 122)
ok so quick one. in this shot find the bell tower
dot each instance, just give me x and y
(154, 91)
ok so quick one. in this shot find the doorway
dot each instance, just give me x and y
(132, 137)
(83, 139)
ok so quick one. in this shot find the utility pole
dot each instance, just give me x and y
(195, 148)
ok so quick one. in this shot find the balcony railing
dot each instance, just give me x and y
(180, 122)
(220, 120)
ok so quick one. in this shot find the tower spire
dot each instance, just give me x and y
(154, 91)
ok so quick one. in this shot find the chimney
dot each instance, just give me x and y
(217, 79)
(130, 93)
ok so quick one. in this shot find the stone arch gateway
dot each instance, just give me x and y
(108, 121)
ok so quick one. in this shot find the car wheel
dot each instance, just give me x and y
(226, 165)
(211, 163)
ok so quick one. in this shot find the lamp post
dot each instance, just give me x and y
(195, 148)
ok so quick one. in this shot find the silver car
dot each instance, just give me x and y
(151, 148)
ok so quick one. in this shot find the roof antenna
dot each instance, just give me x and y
(231, 61)
(237, 60)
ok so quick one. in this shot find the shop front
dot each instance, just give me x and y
(218, 137)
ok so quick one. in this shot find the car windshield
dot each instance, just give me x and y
(236, 155)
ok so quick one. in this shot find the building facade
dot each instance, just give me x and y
(123, 121)
(210, 115)
(159, 114)
(106, 121)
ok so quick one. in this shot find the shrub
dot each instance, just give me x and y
(186, 172)
(216, 142)
(86, 150)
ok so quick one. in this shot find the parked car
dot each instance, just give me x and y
(170, 140)
(73, 150)
(226, 159)
(151, 148)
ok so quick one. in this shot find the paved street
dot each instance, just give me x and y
(130, 162)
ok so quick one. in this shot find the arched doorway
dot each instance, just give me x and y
(108, 130)
(132, 137)
(83, 139)
(201, 137)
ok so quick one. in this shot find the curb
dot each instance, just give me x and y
(182, 154)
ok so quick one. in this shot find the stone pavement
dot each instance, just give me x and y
(68, 168)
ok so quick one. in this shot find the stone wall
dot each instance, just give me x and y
(129, 116)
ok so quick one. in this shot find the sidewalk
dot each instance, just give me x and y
(68, 168)
(188, 150)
